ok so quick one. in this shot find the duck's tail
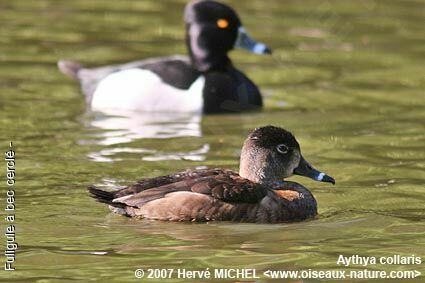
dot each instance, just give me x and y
(101, 195)
(70, 68)
(108, 197)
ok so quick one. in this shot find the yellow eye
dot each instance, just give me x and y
(222, 23)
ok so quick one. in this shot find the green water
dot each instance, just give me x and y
(347, 77)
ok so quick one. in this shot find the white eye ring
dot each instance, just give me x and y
(282, 148)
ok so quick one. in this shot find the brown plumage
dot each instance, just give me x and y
(256, 194)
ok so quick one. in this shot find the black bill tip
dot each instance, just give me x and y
(322, 177)
(329, 179)
(267, 51)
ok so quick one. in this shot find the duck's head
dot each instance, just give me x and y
(270, 154)
(212, 30)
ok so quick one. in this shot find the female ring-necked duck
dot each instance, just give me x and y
(257, 194)
(206, 81)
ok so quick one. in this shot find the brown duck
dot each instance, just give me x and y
(257, 194)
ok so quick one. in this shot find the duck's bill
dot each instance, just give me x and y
(244, 41)
(305, 169)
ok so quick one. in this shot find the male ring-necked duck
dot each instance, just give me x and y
(205, 81)
(257, 194)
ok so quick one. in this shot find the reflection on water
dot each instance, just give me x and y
(194, 155)
(119, 127)
(126, 126)
(108, 155)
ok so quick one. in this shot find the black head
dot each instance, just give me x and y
(271, 153)
(212, 30)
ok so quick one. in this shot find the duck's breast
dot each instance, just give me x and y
(290, 204)
(143, 90)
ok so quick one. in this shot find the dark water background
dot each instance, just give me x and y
(347, 77)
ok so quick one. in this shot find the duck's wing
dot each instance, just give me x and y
(227, 186)
(230, 187)
(149, 183)
(157, 182)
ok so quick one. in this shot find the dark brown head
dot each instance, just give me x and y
(270, 154)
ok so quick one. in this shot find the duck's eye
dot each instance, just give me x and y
(222, 23)
(282, 148)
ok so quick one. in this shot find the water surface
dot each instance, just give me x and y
(346, 77)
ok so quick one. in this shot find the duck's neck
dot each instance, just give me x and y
(205, 58)
(256, 170)
(211, 63)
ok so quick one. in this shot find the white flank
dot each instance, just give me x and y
(143, 90)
